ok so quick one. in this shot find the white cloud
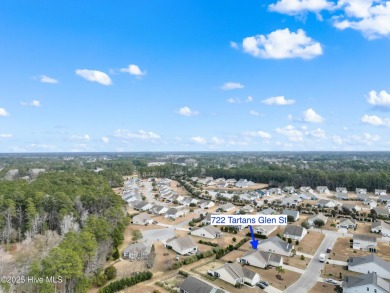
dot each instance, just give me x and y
(233, 45)
(254, 113)
(3, 112)
(337, 139)
(105, 139)
(290, 117)
(6, 135)
(84, 137)
(217, 140)
(279, 100)
(371, 17)
(140, 134)
(380, 99)
(249, 99)
(198, 139)
(227, 86)
(94, 76)
(294, 7)
(186, 111)
(47, 79)
(291, 132)
(375, 120)
(371, 137)
(311, 116)
(318, 133)
(34, 103)
(282, 44)
(133, 70)
(260, 134)
(233, 101)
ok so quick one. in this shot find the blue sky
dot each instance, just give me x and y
(194, 75)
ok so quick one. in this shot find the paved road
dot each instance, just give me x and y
(313, 270)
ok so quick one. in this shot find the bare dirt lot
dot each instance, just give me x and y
(296, 262)
(322, 288)
(310, 242)
(333, 271)
(233, 255)
(342, 251)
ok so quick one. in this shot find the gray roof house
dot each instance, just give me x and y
(142, 219)
(341, 190)
(276, 245)
(319, 216)
(234, 273)
(195, 285)
(342, 196)
(261, 259)
(326, 203)
(347, 223)
(380, 192)
(368, 264)
(207, 232)
(322, 189)
(292, 213)
(136, 251)
(364, 242)
(361, 190)
(294, 232)
(381, 211)
(268, 211)
(227, 207)
(365, 283)
(182, 245)
(381, 227)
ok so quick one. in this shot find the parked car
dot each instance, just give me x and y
(330, 281)
(261, 285)
(329, 249)
(265, 283)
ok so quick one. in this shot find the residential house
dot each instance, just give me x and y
(369, 264)
(142, 219)
(195, 285)
(371, 204)
(363, 197)
(305, 196)
(226, 207)
(276, 245)
(347, 223)
(234, 273)
(159, 209)
(136, 251)
(294, 232)
(341, 190)
(207, 219)
(205, 204)
(188, 200)
(289, 189)
(292, 213)
(365, 283)
(361, 191)
(275, 191)
(231, 182)
(177, 197)
(182, 245)
(384, 212)
(350, 207)
(383, 198)
(364, 242)
(325, 203)
(247, 209)
(268, 211)
(380, 192)
(207, 232)
(174, 213)
(322, 189)
(261, 259)
(142, 206)
(342, 196)
(319, 216)
(381, 227)
(306, 189)
(264, 229)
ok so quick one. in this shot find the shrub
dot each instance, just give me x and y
(110, 272)
(296, 242)
(126, 282)
(302, 257)
(305, 225)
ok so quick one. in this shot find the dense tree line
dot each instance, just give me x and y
(288, 176)
(81, 208)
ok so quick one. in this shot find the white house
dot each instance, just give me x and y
(381, 227)
(365, 283)
(261, 259)
(341, 190)
(195, 285)
(306, 189)
(136, 251)
(227, 207)
(158, 209)
(326, 203)
(268, 211)
(206, 204)
(294, 232)
(276, 245)
(381, 211)
(347, 223)
(174, 213)
(264, 229)
(350, 207)
(364, 242)
(207, 232)
(322, 189)
(369, 264)
(380, 192)
(361, 190)
(142, 219)
(182, 245)
(234, 273)
(371, 203)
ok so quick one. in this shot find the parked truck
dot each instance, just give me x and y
(322, 257)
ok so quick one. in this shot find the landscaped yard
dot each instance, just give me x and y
(289, 277)
(333, 272)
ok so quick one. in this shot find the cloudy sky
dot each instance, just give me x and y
(194, 75)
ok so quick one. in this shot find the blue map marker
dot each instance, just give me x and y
(254, 242)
